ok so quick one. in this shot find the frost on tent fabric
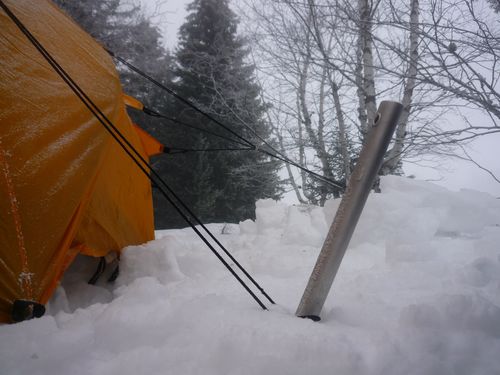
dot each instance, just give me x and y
(65, 186)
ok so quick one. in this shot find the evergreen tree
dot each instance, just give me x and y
(495, 4)
(123, 28)
(211, 72)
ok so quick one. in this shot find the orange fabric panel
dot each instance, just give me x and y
(150, 144)
(132, 102)
(63, 181)
(120, 211)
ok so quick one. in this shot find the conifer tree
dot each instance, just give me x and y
(123, 28)
(211, 72)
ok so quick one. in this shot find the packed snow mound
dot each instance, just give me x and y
(418, 292)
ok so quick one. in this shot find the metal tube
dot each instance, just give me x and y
(349, 211)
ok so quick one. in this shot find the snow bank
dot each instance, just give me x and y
(418, 292)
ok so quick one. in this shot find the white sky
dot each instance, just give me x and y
(457, 174)
(169, 17)
(453, 174)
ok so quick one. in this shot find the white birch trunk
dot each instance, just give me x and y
(365, 29)
(395, 154)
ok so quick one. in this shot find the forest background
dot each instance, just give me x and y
(314, 72)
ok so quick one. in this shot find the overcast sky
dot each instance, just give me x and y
(454, 174)
(169, 17)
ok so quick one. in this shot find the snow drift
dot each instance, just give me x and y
(418, 293)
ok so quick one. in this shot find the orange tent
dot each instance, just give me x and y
(66, 186)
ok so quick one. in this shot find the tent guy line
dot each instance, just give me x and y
(77, 191)
(153, 113)
(137, 158)
(177, 96)
(274, 154)
(176, 151)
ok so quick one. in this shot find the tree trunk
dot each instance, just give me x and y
(394, 157)
(366, 41)
(344, 151)
(316, 141)
(289, 170)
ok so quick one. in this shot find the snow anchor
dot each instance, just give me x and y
(349, 211)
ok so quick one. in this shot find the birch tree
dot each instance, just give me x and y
(439, 59)
(310, 91)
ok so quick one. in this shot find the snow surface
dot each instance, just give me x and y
(418, 292)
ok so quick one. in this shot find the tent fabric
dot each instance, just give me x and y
(150, 144)
(132, 102)
(66, 186)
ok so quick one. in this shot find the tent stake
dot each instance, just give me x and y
(349, 211)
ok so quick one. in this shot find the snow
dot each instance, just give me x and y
(418, 292)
